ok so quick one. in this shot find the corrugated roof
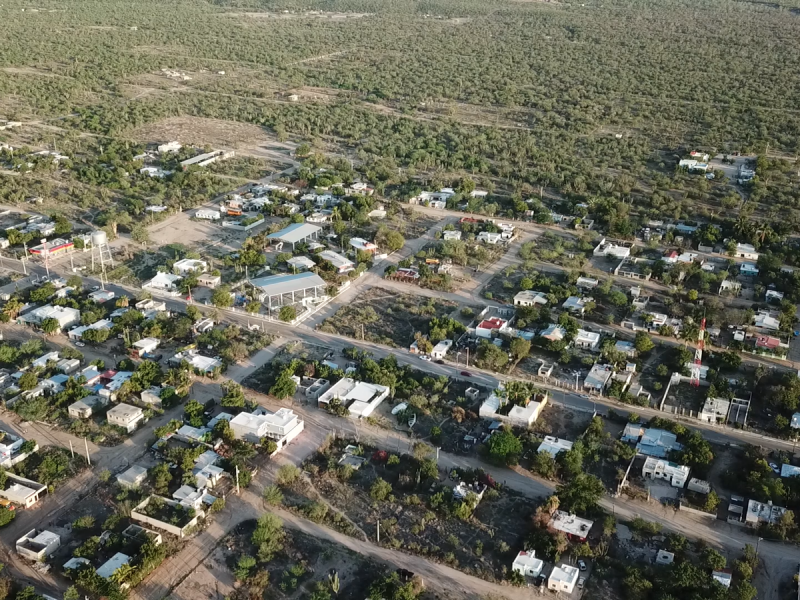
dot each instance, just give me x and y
(295, 232)
(286, 284)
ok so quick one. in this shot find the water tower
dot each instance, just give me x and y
(101, 253)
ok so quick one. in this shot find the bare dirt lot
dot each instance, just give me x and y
(200, 131)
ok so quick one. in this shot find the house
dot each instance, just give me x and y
(208, 280)
(86, 407)
(281, 426)
(655, 468)
(729, 286)
(563, 579)
(748, 269)
(38, 545)
(699, 486)
(486, 327)
(746, 251)
(112, 565)
(169, 147)
(525, 416)
(789, 471)
(763, 320)
(277, 291)
(68, 365)
(574, 527)
(144, 346)
(605, 248)
(450, 236)
(132, 477)
(163, 281)
(296, 233)
(553, 445)
(440, 350)
(527, 565)
(189, 265)
(626, 348)
(714, 410)
(21, 491)
(362, 245)
(65, 315)
(773, 296)
(426, 198)
(101, 296)
(664, 558)
(359, 397)
(657, 443)
(206, 472)
(207, 214)
(553, 332)
(530, 298)
(488, 237)
(598, 378)
(339, 262)
(769, 344)
(576, 304)
(723, 577)
(586, 340)
(301, 263)
(77, 332)
(126, 416)
(634, 268)
(587, 283)
(759, 513)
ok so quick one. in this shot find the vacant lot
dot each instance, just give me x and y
(387, 317)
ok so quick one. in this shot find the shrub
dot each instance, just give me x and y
(380, 490)
(84, 522)
(287, 475)
(272, 495)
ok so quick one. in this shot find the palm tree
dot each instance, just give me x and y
(12, 308)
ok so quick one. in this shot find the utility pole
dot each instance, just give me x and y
(379, 531)
(88, 458)
(71, 449)
(237, 479)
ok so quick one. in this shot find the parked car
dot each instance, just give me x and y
(466, 374)
(425, 357)
(80, 344)
(774, 467)
(581, 582)
(581, 565)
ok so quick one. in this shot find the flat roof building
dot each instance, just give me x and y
(359, 397)
(296, 233)
(65, 315)
(126, 416)
(563, 579)
(572, 525)
(527, 565)
(553, 445)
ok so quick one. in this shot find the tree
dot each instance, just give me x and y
(75, 282)
(193, 411)
(6, 516)
(161, 477)
(284, 386)
(221, 297)
(491, 357)
(50, 326)
(712, 560)
(140, 234)
(544, 464)
(43, 292)
(287, 313)
(232, 395)
(72, 593)
(268, 536)
(504, 447)
(389, 239)
(96, 336)
(28, 381)
(519, 348)
(581, 494)
(730, 360)
(380, 490)
(643, 343)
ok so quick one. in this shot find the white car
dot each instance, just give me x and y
(581, 565)
(581, 582)
(80, 344)
(425, 357)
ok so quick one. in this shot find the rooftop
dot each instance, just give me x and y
(108, 568)
(275, 285)
(553, 445)
(295, 232)
(571, 524)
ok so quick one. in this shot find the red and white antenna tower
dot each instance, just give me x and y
(698, 355)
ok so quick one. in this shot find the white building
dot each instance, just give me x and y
(112, 565)
(576, 304)
(24, 492)
(605, 248)
(530, 298)
(598, 378)
(197, 362)
(553, 445)
(489, 237)
(126, 416)
(207, 214)
(440, 350)
(339, 262)
(746, 251)
(83, 409)
(38, 545)
(132, 477)
(485, 328)
(363, 245)
(587, 283)
(655, 468)
(587, 340)
(281, 426)
(169, 147)
(301, 263)
(145, 346)
(563, 579)
(527, 565)
(163, 281)
(65, 315)
(763, 320)
(450, 236)
(360, 398)
(573, 526)
(189, 265)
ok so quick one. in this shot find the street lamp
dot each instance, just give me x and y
(757, 544)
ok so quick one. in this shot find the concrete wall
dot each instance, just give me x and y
(164, 526)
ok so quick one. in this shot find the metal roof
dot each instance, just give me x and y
(295, 232)
(276, 285)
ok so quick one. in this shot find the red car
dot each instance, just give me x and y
(466, 373)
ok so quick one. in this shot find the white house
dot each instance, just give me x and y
(163, 281)
(440, 350)
(553, 332)
(530, 298)
(359, 397)
(605, 248)
(126, 416)
(587, 340)
(527, 565)
(485, 328)
(83, 409)
(38, 545)
(145, 346)
(763, 320)
(189, 265)
(626, 348)
(746, 251)
(587, 283)
(553, 445)
(24, 492)
(132, 477)
(773, 296)
(722, 577)
(363, 245)
(281, 426)
(65, 315)
(655, 468)
(450, 236)
(207, 214)
(339, 262)
(563, 579)
(489, 238)
(598, 378)
(112, 565)
(576, 304)
(572, 525)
